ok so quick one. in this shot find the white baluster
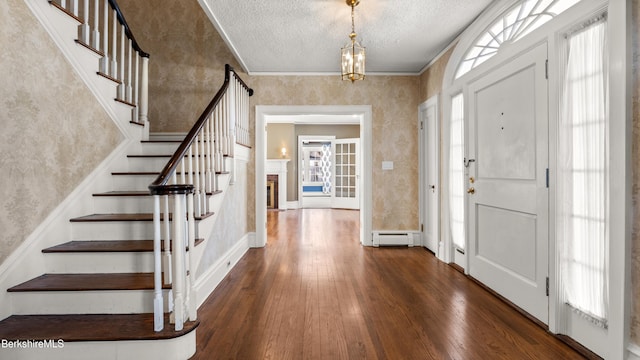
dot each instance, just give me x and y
(121, 59)
(84, 31)
(63, 4)
(168, 278)
(192, 304)
(104, 62)
(233, 113)
(128, 93)
(218, 140)
(247, 140)
(158, 302)
(74, 7)
(214, 178)
(179, 218)
(136, 89)
(225, 126)
(114, 46)
(183, 164)
(202, 175)
(95, 34)
(196, 177)
(144, 92)
(209, 187)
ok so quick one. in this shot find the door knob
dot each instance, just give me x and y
(471, 190)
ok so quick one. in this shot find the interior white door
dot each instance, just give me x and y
(507, 194)
(346, 187)
(430, 168)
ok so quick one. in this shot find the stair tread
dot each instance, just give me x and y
(160, 141)
(124, 193)
(135, 173)
(87, 282)
(88, 327)
(125, 217)
(90, 246)
(149, 156)
(140, 193)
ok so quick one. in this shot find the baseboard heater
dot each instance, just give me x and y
(392, 238)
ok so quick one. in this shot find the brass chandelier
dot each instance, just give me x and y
(353, 54)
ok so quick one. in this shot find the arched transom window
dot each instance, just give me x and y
(517, 22)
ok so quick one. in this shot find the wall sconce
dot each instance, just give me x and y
(283, 151)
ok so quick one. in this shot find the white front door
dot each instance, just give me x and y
(507, 194)
(346, 174)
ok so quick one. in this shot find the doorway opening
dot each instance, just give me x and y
(315, 114)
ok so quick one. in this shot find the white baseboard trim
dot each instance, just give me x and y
(292, 205)
(208, 282)
(633, 352)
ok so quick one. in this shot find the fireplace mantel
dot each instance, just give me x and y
(279, 167)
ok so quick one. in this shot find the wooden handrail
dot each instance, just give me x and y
(157, 187)
(127, 30)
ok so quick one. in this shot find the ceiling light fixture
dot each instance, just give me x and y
(353, 54)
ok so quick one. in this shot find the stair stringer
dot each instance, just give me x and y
(63, 31)
(27, 261)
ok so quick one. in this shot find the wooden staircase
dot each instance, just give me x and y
(97, 292)
(99, 288)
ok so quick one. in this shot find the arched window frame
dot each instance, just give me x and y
(521, 19)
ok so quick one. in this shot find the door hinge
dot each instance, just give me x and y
(421, 227)
(421, 125)
(546, 69)
(547, 286)
(547, 177)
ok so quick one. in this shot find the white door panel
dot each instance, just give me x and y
(508, 205)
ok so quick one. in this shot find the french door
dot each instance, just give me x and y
(346, 186)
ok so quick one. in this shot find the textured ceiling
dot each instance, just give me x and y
(299, 36)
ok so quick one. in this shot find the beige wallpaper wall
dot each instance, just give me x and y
(635, 265)
(186, 67)
(431, 78)
(48, 120)
(395, 112)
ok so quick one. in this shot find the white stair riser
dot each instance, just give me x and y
(108, 262)
(84, 302)
(155, 148)
(132, 182)
(155, 164)
(123, 204)
(182, 347)
(112, 230)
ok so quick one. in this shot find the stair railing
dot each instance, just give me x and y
(104, 29)
(181, 193)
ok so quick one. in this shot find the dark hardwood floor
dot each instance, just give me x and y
(315, 293)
